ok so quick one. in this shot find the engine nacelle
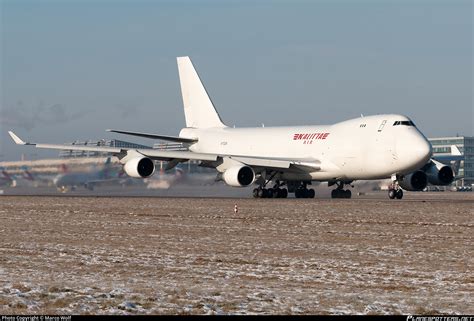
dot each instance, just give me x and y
(139, 167)
(439, 174)
(415, 181)
(239, 176)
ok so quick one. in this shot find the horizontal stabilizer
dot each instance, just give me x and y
(153, 136)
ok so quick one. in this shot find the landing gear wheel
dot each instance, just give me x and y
(399, 194)
(394, 190)
(392, 193)
(269, 193)
(340, 193)
(255, 192)
(300, 193)
(276, 193)
(303, 193)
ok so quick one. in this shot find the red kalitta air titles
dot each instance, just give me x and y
(308, 138)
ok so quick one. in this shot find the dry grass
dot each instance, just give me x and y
(196, 256)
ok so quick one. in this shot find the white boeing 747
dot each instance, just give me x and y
(287, 159)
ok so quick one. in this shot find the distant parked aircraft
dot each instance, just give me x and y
(89, 179)
(6, 179)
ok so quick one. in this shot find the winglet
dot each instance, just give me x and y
(16, 139)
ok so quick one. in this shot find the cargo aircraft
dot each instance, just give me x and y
(282, 160)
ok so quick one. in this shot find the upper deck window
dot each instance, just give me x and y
(403, 123)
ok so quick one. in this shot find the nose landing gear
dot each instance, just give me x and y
(394, 191)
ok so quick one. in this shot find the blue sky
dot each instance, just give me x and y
(70, 69)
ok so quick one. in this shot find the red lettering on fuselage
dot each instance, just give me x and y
(308, 138)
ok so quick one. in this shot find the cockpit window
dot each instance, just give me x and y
(403, 123)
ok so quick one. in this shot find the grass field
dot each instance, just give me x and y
(89, 255)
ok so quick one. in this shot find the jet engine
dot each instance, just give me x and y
(415, 181)
(239, 176)
(139, 167)
(439, 174)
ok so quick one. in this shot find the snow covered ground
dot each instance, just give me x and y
(82, 255)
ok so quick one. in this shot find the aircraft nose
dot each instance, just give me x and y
(415, 150)
(423, 150)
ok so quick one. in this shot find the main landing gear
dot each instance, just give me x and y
(275, 192)
(303, 192)
(270, 192)
(278, 191)
(339, 191)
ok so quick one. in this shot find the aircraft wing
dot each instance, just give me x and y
(182, 156)
(121, 152)
(153, 136)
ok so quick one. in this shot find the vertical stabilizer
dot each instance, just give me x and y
(198, 107)
(455, 151)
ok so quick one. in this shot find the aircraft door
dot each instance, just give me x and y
(382, 125)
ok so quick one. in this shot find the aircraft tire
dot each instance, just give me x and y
(391, 194)
(269, 193)
(399, 194)
(276, 193)
(255, 192)
(347, 193)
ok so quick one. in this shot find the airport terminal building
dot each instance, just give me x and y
(442, 146)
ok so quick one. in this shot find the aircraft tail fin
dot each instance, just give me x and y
(199, 110)
(455, 150)
(457, 163)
